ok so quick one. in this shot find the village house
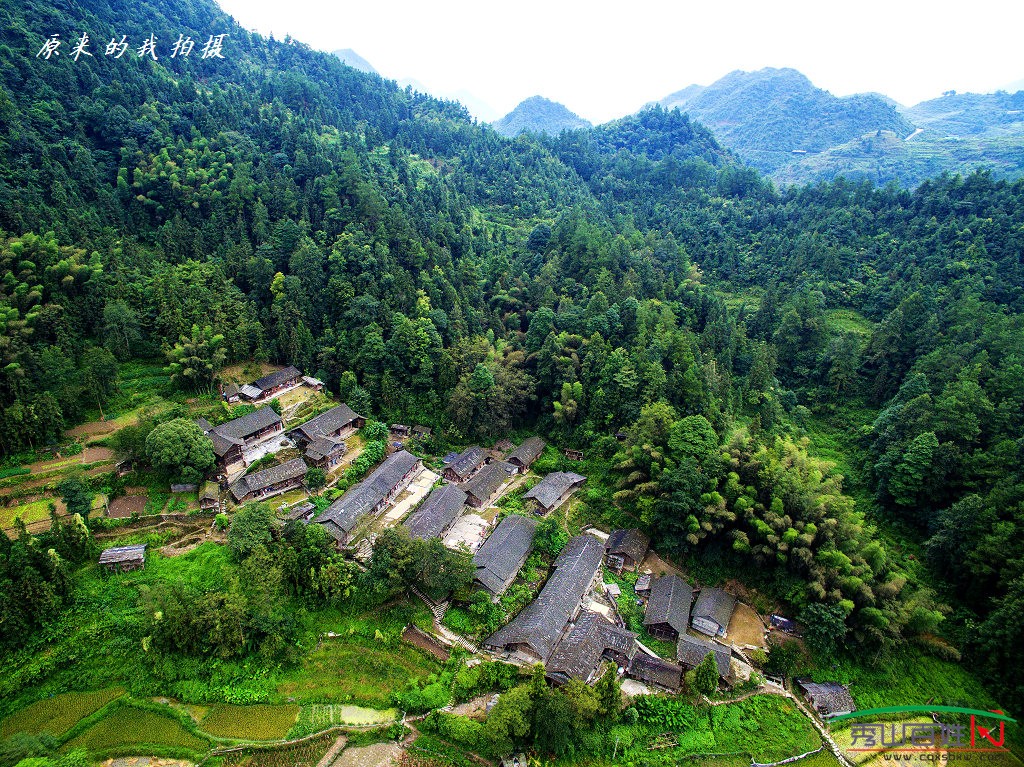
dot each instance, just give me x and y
(465, 464)
(420, 432)
(484, 485)
(209, 498)
(553, 490)
(668, 608)
(532, 634)
(123, 559)
(435, 515)
(313, 383)
(301, 512)
(590, 642)
(828, 699)
(712, 611)
(528, 452)
(234, 439)
(269, 482)
(338, 423)
(626, 549)
(501, 556)
(656, 671)
(691, 651)
(231, 393)
(643, 585)
(399, 430)
(369, 497)
(325, 453)
(271, 384)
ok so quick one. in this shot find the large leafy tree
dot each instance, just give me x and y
(180, 448)
(194, 361)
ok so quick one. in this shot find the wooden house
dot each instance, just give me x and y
(369, 497)
(690, 651)
(233, 439)
(656, 671)
(338, 423)
(553, 490)
(712, 611)
(528, 452)
(532, 635)
(271, 384)
(123, 559)
(828, 699)
(501, 556)
(483, 486)
(434, 517)
(590, 642)
(668, 608)
(465, 464)
(269, 482)
(626, 549)
(209, 498)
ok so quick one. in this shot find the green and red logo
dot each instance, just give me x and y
(984, 731)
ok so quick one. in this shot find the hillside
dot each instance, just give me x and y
(963, 115)
(766, 115)
(812, 397)
(355, 61)
(538, 115)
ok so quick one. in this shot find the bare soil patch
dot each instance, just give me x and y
(126, 505)
(377, 755)
(746, 627)
(96, 454)
(657, 566)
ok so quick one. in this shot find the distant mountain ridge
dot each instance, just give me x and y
(780, 123)
(539, 115)
(767, 115)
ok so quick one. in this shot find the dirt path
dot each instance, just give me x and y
(333, 751)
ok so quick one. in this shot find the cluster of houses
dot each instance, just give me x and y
(472, 479)
(572, 641)
(241, 441)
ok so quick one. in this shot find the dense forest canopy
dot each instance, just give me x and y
(278, 205)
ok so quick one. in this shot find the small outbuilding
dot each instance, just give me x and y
(712, 611)
(626, 549)
(528, 452)
(828, 699)
(123, 559)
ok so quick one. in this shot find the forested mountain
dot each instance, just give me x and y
(635, 277)
(776, 120)
(355, 61)
(766, 115)
(538, 115)
(971, 114)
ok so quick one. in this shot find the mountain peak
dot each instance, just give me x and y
(538, 115)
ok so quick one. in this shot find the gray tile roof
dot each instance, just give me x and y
(118, 554)
(579, 653)
(276, 378)
(691, 651)
(829, 698)
(341, 517)
(669, 603)
(633, 543)
(438, 511)
(321, 447)
(656, 671)
(236, 431)
(467, 461)
(528, 452)
(553, 486)
(485, 483)
(252, 483)
(540, 623)
(329, 422)
(503, 553)
(714, 604)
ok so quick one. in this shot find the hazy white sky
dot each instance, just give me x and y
(605, 60)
